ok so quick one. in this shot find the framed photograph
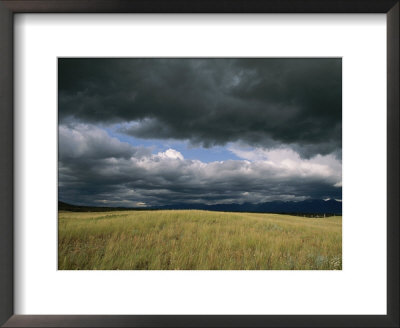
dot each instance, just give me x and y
(194, 166)
(190, 164)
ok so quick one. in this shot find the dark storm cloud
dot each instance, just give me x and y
(96, 169)
(260, 102)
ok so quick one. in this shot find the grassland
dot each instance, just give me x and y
(192, 239)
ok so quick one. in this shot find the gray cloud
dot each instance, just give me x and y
(260, 102)
(90, 142)
(96, 169)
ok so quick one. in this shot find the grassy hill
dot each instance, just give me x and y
(193, 239)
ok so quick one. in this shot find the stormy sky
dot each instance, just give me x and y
(151, 132)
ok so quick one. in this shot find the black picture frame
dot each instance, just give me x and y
(10, 7)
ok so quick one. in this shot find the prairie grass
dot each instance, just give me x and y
(197, 240)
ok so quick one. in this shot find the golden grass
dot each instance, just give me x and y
(197, 240)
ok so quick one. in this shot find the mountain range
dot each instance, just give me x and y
(310, 206)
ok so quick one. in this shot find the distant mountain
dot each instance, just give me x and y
(312, 206)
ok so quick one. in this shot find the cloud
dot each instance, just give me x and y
(263, 103)
(287, 160)
(97, 169)
(91, 142)
(170, 154)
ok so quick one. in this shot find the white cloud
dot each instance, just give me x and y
(289, 162)
(170, 154)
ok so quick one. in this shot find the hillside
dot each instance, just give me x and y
(197, 240)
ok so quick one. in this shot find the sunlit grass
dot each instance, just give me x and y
(197, 240)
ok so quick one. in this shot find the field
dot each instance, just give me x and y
(197, 240)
